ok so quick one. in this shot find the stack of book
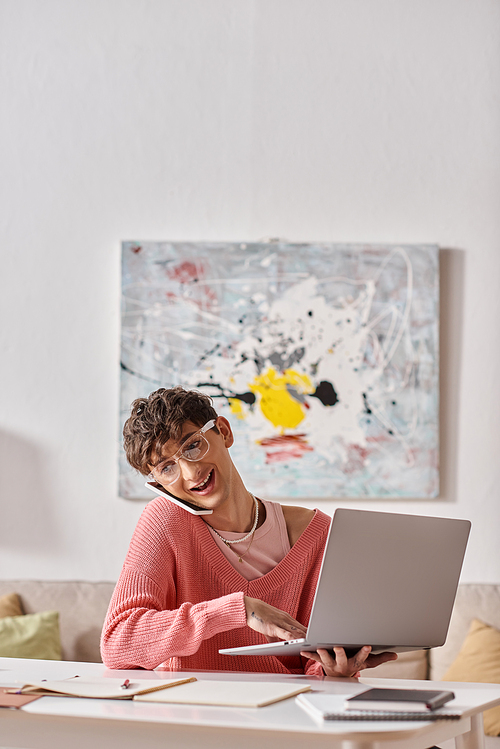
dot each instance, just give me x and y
(381, 704)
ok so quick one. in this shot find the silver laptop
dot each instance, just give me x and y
(387, 580)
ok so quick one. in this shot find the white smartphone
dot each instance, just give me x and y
(193, 509)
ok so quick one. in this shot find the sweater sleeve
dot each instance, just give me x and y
(144, 627)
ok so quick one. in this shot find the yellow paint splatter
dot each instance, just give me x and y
(236, 408)
(275, 402)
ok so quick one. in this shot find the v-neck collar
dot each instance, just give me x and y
(275, 578)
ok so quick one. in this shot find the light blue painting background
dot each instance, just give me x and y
(191, 312)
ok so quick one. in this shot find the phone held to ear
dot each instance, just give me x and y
(193, 509)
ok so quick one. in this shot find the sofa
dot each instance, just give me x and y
(82, 608)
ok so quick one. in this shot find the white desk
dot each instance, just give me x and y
(66, 723)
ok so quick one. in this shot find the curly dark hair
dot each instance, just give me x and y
(159, 418)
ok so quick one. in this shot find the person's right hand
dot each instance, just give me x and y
(272, 622)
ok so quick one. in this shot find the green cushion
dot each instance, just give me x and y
(31, 636)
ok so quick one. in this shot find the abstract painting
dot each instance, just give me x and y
(324, 358)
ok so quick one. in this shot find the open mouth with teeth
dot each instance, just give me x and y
(206, 484)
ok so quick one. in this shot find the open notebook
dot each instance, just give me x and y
(175, 690)
(110, 689)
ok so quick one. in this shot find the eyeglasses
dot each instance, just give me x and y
(194, 449)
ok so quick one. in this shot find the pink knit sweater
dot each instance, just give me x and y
(178, 600)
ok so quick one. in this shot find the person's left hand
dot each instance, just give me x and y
(338, 664)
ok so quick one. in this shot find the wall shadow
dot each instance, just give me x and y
(27, 515)
(452, 270)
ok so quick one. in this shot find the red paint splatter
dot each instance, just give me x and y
(285, 447)
(356, 457)
(194, 274)
(136, 248)
(184, 273)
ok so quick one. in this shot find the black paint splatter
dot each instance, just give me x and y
(326, 393)
(245, 397)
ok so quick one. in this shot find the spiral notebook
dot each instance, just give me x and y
(324, 706)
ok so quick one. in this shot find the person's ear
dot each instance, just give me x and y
(224, 428)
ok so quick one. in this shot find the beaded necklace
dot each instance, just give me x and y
(229, 542)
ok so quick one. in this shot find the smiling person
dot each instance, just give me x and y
(194, 584)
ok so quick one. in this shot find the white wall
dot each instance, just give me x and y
(335, 120)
